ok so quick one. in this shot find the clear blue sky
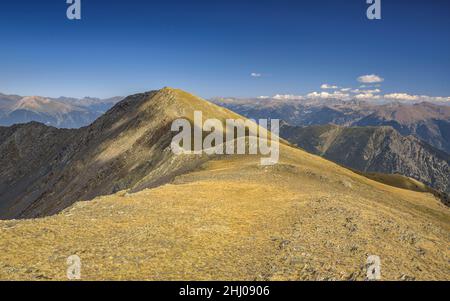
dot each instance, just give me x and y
(211, 47)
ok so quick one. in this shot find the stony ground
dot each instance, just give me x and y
(233, 219)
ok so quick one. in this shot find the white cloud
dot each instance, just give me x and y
(370, 86)
(313, 95)
(288, 97)
(367, 91)
(328, 87)
(402, 96)
(367, 96)
(326, 95)
(370, 79)
(415, 98)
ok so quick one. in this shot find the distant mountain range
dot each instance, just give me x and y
(426, 121)
(60, 112)
(375, 149)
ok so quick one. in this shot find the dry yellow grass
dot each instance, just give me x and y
(232, 219)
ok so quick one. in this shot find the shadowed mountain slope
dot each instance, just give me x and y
(426, 121)
(375, 149)
(127, 148)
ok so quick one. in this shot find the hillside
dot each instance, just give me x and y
(426, 121)
(303, 219)
(155, 216)
(375, 149)
(127, 148)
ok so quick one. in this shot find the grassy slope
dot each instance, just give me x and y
(305, 218)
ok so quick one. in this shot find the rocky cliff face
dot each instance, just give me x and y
(375, 149)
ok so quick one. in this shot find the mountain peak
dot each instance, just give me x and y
(127, 148)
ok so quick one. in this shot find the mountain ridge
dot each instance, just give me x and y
(375, 149)
(126, 148)
(62, 112)
(426, 121)
(218, 217)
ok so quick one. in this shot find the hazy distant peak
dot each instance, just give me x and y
(63, 112)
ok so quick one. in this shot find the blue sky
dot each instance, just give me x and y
(211, 48)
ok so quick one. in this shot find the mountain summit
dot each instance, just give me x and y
(128, 148)
(152, 215)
